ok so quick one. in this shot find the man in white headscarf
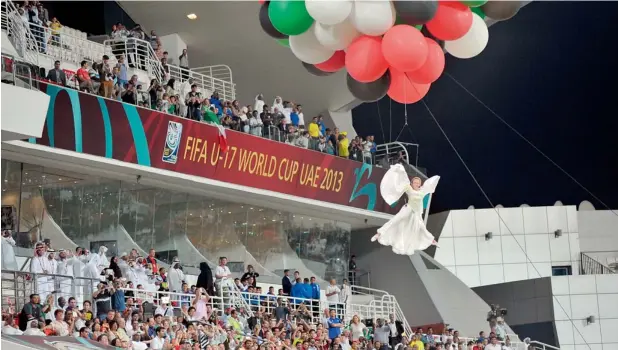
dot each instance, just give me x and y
(33, 329)
(95, 266)
(40, 264)
(65, 268)
(278, 104)
(79, 261)
(175, 276)
(9, 262)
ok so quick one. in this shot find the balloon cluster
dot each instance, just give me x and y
(387, 47)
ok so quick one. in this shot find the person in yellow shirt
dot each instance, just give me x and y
(342, 145)
(416, 343)
(55, 28)
(314, 133)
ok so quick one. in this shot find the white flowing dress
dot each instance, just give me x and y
(406, 231)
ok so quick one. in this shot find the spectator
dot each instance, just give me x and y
(352, 270)
(193, 101)
(358, 328)
(10, 328)
(55, 27)
(255, 124)
(493, 344)
(9, 261)
(303, 140)
(59, 325)
(183, 62)
(332, 295)
(129, 95)
(103, 300)
(56, 75)
(286, 282)
(107, 79)
(396, 331)
(381, 333)
(151, 261)
(251, 273)
(314, 133)
(123, 77)
(34, 328)
(334, 325)
(343, 144)
(368, 149)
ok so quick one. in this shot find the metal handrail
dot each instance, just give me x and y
(140, 53)
(218, 71)
(538, 345)
(27, 283)
(590, 266)
(23, 38)
(67, 47)
(391, 149)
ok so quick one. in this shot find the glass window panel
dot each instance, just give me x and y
(144, 208)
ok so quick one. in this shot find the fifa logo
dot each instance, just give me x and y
(172, 142)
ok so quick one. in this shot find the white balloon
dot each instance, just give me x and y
(329, 12)
(471, 44)
(374, 17)
(336, 37)
(308, 49)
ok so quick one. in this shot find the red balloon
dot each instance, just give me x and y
(433, 67)
(404, 90)
(452, 21)
(334, 63)
(404, 48)
(364, 59)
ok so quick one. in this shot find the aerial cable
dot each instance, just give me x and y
(380, 119)
(463, 162)
(530, 143)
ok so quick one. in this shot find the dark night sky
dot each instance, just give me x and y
(550, 72)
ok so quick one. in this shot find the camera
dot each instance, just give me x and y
(495, 311)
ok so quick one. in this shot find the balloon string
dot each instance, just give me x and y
(380, 119)
(463, 162)
(530, 143)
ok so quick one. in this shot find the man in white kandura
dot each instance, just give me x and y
(406, 231)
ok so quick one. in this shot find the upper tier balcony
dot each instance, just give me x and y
(100, 127)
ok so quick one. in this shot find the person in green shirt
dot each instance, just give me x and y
(209, 114)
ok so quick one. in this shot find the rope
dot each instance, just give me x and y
(463, 162)
(530, 143)
(390, 119)
(380, 119)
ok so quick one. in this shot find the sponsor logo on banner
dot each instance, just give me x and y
(172, 142)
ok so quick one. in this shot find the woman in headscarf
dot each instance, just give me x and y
(113, 265)
(204, 280)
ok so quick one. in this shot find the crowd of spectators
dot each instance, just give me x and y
(282, 121)
(165, 312)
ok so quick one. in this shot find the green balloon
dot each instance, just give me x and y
(284, 42)
(479, 11)
(474, 3)
(399, 20)
(289, 17)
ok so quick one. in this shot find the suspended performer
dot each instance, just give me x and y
(406, 231)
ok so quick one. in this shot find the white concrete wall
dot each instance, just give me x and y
(523, 244)
(578, 297)
(174, 45)
(598, 230)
